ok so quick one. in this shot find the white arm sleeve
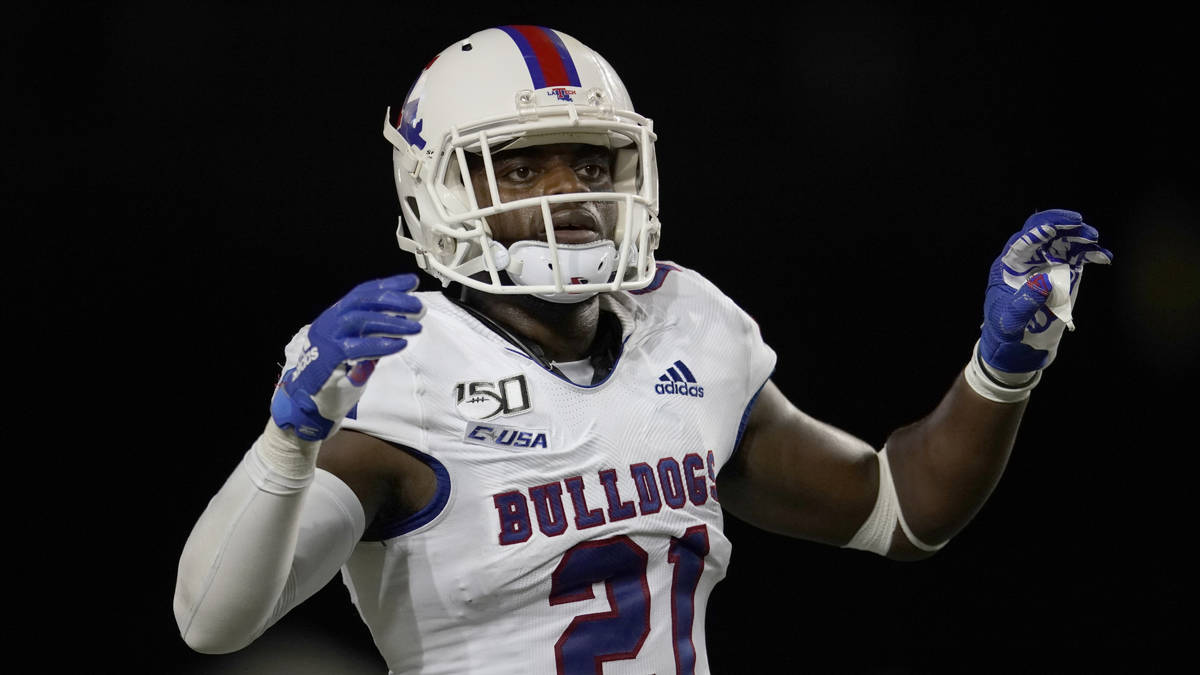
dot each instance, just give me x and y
(264, 544)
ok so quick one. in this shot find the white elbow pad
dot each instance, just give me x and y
(875, 535)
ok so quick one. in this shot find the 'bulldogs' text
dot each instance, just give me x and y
(671, 482)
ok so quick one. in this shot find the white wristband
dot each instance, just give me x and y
(996, 385)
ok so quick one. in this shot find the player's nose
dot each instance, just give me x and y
(560, 178)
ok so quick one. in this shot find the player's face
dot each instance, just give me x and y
(550, 170)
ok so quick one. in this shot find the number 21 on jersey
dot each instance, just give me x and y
(592, 639)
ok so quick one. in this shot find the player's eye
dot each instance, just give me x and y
(593, 171)
(518, 174)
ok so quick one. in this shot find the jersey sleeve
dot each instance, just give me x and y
(715, 316)
(391, 407)
(756, 355)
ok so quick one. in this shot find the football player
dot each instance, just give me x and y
(526, 471)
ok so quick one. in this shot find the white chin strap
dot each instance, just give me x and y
(530, 263)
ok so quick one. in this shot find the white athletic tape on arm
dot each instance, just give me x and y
(875, 535)
(286, 455)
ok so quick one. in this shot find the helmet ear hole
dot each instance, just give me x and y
(412, 204)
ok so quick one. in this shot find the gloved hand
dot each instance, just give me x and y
(1036, 276)
(340, 352)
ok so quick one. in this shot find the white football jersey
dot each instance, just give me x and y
(576, 528)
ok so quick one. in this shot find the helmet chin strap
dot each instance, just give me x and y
(530, 263)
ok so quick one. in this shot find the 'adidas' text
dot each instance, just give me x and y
(680, 388)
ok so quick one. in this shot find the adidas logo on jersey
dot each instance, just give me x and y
(678, 380)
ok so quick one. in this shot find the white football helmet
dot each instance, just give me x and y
(505, 88)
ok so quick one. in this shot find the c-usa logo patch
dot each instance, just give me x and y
(483, 400)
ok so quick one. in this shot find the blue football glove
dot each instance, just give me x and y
(1031, 288)
(339, 354)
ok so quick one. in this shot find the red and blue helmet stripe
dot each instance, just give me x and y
(549, 62)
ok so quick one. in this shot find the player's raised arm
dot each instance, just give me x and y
(796, 476)
(279, 529)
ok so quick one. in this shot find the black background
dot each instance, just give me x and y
(190, 182)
